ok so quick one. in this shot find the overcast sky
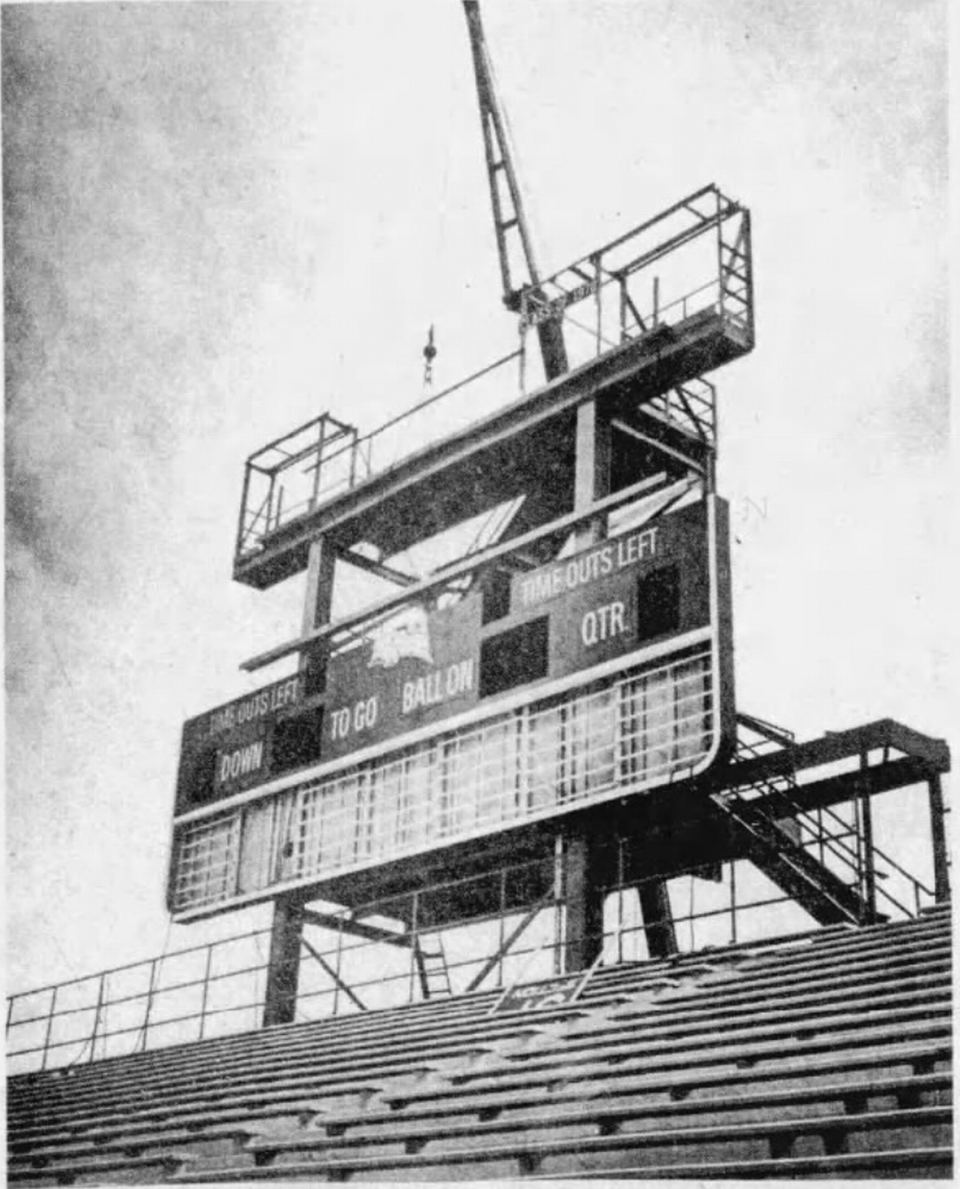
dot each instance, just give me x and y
(222, 219)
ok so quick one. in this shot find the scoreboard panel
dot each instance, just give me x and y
(605, 672)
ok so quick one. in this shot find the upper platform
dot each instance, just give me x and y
(645, 317)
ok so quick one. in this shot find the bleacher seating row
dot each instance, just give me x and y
(822, 1055)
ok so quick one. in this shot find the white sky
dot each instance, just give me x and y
(222, 219)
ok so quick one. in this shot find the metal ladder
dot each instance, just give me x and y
(432, 968)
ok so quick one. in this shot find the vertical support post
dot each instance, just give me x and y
(620, 845)
(338, 968)
(748, 266)
(584, 906)
(559, 905)
(733, 902)
(270, 513)
(503, 930)
(623, 308)
(657, 918)
(858, 840)
(149, 1008)
(49, 1029)
(316, 474)
(523, 341)
(869, 868)
(318, 597)
(598, 301)
(720, 282)
(414, 943)
(283, 964)
(938, 837)
(276, 523)
(243, 507)
(206, 988)
(353, 459)
(319, 592)
(656, 302)
(96, 1017)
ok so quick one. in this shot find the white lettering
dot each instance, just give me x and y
(347, 720)
(241, 762)
(589, 567)
(603, 624)
(438, 686)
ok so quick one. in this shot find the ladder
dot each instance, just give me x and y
(432, 968)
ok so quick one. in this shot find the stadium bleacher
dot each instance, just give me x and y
(822, 1055)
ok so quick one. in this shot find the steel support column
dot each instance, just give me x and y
(283, 964)
(938, 837)
(582, 890)
(657, 919)
(583, 894)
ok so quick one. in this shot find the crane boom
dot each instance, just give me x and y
(507, 202)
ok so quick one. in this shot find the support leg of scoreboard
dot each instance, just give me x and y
(657, 919)
(283, 964)
(583, 898)
(286, 935)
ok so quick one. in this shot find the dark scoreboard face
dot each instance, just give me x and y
(422, 666)
(425, 664)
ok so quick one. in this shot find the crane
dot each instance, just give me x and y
(507, 201)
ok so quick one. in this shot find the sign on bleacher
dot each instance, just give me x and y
(550, 993)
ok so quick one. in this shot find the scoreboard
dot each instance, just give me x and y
(602, 674)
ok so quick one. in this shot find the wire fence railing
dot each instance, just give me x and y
(373, 957)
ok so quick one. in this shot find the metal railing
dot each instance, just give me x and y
(308, 467)
(688, 267)
(341, 971)
(690, 263)
(171, 999)
(839, 843)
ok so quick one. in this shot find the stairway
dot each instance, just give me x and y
(792, 868)
(769, 824)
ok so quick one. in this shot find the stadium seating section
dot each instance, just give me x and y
(826, 1055)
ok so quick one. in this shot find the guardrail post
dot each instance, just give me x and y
(339, 968)
(598, 299)
(96, 1018)
(146, 1014)
(206, 987)
(869, 868)
(46, 1036)
(353, 460)
(720, 284)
